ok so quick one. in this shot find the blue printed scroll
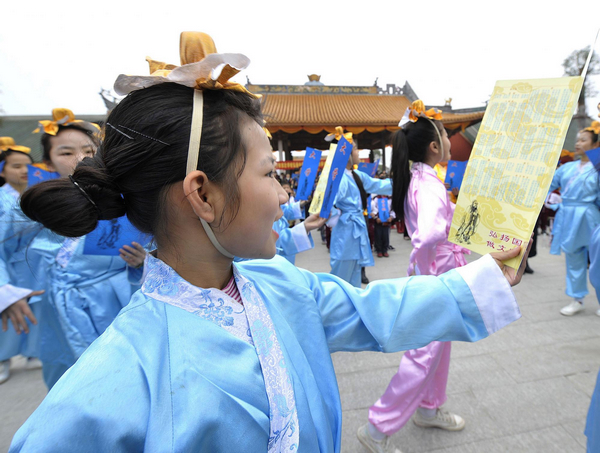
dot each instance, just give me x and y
(455, 173)
(36, 175)
(340, 159)
(594, 156)
(310, 168)
(110, 235)
(368, 168)
(382, 207)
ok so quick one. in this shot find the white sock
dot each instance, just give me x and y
(427, 413)
(377, 435)
(579, 300)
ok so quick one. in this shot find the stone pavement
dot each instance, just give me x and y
(526, 388)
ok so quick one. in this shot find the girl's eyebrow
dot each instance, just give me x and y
(269, 160)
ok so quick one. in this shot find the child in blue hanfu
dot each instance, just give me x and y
(83, 293)
(212, 356)
(577, 216)
(15, 161)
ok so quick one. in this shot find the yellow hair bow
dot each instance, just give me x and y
(338, 134)
(61, 117)
(417, 110)
(594, 127)
(201, 68)
(8, 143)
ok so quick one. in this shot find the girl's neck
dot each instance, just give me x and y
(204, 270)
(19, 188)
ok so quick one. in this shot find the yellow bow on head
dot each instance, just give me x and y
(417, 110)
(61, 117)
(594, 127)
(338, 134)
(201, 68)
(8, 143)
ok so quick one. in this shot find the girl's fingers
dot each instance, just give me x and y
(29, 314)
(4, 322)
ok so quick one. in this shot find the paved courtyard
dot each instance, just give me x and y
(526, 388)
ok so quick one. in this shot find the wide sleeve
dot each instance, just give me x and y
(375, 185)
(101, 404)
(10, 242)
(431, 227)
(292, 211)
(294, 240)
(465, 304)
(556, 179)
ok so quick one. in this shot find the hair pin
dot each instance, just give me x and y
(144, 135)
(119, 131)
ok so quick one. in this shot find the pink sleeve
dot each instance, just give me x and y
(431, 226)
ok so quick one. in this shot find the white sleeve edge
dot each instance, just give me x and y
(300, 237)
(10, 294)
(492, 293)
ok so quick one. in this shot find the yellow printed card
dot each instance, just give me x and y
(317, 202)
(512, 164)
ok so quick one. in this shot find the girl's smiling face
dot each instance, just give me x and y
(250, 234)
(69, 147)
(15, 170)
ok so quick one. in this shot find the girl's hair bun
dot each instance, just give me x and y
(72, 208)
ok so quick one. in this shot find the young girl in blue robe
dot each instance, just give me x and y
(577, 216)
(350, 248)
(83, 293)
(14, 160)
(186, 366)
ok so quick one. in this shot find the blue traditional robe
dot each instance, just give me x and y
(19, 272)
(291, 240)
(592, 428)
(577, 217)
(84, 293)
(187, 369)
(578, 214)
(349, 236)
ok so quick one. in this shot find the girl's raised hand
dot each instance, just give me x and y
(18, 313)
(313, 222)
(513, 277)
(133, 256)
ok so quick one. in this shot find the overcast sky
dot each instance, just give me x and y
(60, 54)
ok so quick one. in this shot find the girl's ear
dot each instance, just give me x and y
(199, 192)
(434, 148)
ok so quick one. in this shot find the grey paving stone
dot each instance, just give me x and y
(533, 405)
(549, 440)
(585, 381)
(552, 360)
(489, 374)
(19, 397)
(575, 430)
(350, 362)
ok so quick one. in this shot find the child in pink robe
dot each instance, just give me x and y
(424, 205)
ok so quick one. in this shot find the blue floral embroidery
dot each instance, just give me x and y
(164, 284)
(283, 415)
(262, 337)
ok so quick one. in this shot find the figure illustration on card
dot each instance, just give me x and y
(469, 224)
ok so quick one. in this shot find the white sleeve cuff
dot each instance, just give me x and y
(492, 293)
(301, 238)
(10, 294)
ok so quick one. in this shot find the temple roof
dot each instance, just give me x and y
(314, 113)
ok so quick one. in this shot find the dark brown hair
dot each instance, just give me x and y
(410, 144)
(144, 152)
